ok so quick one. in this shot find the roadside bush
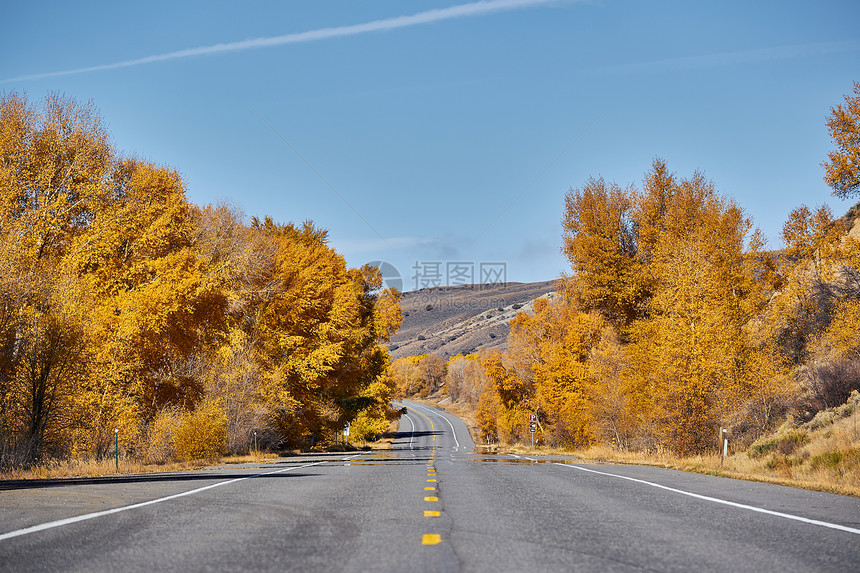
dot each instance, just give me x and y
(830, 384)
(786, 465)
(486, 414)
(202, 434)
(789, 442)
(162, 430)
(829, 417)
(761, 447)
(366, 426)
(826, 460)
(785, 443)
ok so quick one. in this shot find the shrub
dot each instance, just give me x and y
(831, 384)
(792, 440)
(366, 426)
(783, 464)
(785, 443)
(845, 460)
(761, 447)
(826, 460)
(160, 437)
(202, 434)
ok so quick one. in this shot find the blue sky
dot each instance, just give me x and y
(446, 131)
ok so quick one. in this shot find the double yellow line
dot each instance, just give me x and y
(431, 538)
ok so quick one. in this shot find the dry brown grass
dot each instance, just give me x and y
(251, 458)
(89, 468)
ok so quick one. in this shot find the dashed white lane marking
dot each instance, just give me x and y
(412, 432)
(721, 501)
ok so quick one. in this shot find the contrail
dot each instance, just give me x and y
(428, 17)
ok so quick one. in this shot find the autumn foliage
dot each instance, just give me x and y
(124, 306)
(675, 321)
(842, 171)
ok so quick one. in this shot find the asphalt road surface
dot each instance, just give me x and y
(429, 504)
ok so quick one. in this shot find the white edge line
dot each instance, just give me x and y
(70, 520)
(722, 501)
(453, 431)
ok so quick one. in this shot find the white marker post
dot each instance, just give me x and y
(533, 427)
(116, 442)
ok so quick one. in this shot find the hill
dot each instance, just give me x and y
(452, 320)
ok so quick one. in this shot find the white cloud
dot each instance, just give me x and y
(473, 9)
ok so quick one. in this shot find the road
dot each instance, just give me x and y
(428, 504)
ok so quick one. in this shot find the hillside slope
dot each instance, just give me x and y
(462, 319)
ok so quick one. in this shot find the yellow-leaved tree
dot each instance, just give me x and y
(691, 274)
(842, 171)
(54, 174)
(319, 334)
(125, 307)
(158, 304)
(599, 241)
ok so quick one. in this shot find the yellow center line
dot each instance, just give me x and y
(431, 538)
